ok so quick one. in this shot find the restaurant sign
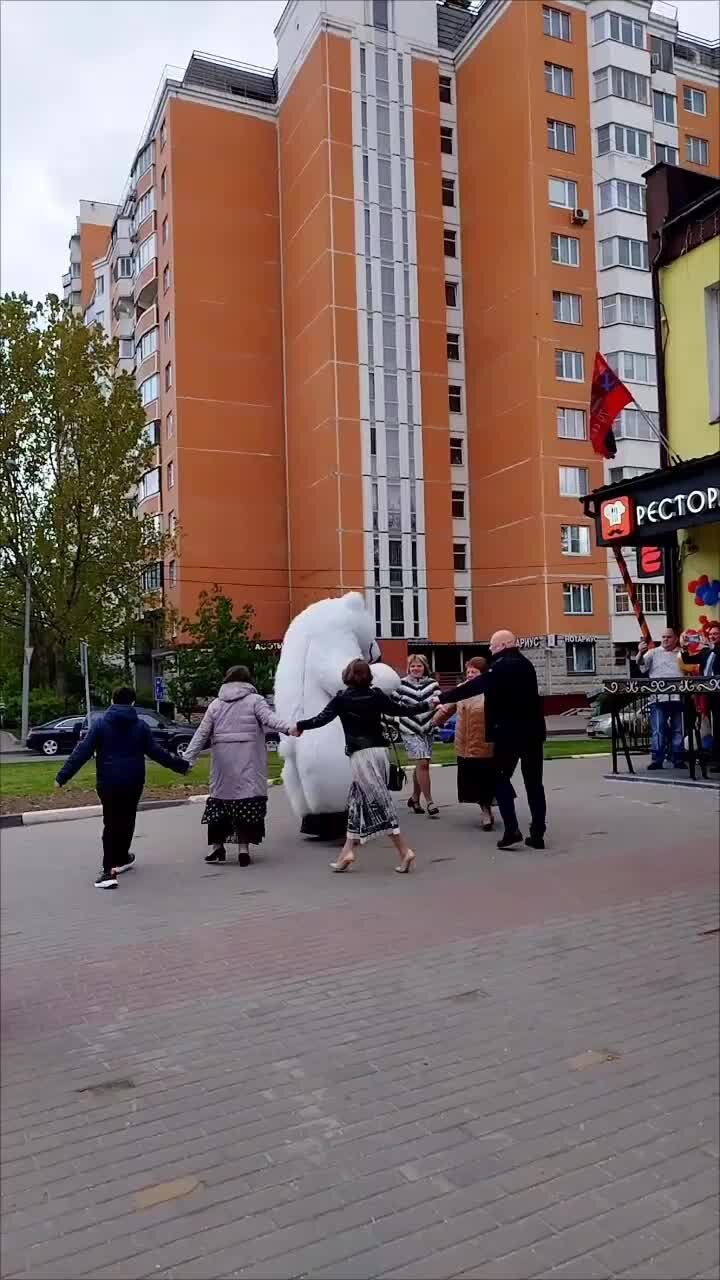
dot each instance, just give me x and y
(665, 504)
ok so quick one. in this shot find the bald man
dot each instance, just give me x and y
(514, 721)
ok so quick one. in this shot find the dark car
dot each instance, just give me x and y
(167, 733)
(59, 735)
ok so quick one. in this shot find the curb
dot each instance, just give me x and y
(37, 817)
(638, 779)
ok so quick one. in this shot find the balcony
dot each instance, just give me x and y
(122, 288)
(146, 285)
(146, 321)
(147, 368)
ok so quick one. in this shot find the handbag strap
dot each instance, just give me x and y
(391, 742)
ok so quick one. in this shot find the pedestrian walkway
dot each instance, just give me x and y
(505, 1065)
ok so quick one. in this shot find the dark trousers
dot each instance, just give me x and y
(119, 806)
(530, 757)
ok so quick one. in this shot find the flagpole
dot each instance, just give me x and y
(632, 594)
(674, 457)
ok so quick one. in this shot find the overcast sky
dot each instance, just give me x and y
(78, 79)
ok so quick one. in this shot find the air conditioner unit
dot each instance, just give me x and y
(580, 216)
(655, 61)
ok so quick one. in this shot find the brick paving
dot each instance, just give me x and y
(503, 1066)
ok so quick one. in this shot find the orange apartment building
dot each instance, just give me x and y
(360, 296)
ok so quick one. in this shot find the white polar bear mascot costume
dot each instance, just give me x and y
(317, 647)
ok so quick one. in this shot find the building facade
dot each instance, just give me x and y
(362, 317)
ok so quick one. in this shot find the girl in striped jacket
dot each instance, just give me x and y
(418, 686)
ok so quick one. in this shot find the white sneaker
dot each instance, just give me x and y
(106, 880)
(126, 865)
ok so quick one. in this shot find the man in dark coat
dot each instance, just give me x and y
(514, 721)
(120, 741)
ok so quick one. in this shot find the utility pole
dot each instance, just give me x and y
(27, 659)
(85, 669)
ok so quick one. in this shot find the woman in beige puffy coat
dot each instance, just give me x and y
(475, 755)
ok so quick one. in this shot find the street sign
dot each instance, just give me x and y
(159, 689)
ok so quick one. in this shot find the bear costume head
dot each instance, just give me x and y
(317, 647)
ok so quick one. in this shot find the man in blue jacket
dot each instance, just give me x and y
(120, 741)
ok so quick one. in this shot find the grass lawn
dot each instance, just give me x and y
(37, 779)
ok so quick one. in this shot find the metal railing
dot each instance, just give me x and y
(629, 700)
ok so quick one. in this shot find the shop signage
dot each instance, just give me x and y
(667, 502)
(531, 642)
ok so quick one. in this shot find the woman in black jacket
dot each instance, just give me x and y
(371, 811)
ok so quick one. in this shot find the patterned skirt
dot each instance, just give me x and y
(371, 811)
(235, 821)
(419, 746)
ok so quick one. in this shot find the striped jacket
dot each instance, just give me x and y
(417, 691)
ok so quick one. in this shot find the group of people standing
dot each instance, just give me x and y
(669, 661)
(499, 724)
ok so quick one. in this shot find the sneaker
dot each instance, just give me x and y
(509, 839)
(106, 880)
(535, 842)
(126, 865)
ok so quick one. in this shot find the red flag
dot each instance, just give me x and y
(608, 395)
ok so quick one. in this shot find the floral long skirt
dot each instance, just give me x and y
(371, 811)
(235, 821)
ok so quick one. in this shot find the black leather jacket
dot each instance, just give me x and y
(361, 712)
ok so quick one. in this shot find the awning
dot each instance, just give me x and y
(652, 507)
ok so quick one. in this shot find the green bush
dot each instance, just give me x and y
(45, 704)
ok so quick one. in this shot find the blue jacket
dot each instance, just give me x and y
(120, 741)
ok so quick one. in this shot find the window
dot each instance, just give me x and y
(696, 150)
(712, 336)
(382, 73)
(143, 162)
(451, 293)
(627, 308)
(147, 344)
(621, 84)
(146, 252)
(125, 346)
(448, 193)
(123, 268)
(380, 14)
(152, 578)
(163, 183)
(453, 346)
(664, 107)
(569, 366)
(573, 482)
(149, 484)
(99, 286)
(619, 137)
(456, 451)
(145, 206)
(575, 539)
(446, 140)
(75, 269)
(149, 389)
(455, 399)
(445, 89)
(562, 193)
(170, 425)
(567, 308)
(630, 424)
(460, 557)
(614, 26)
(618, 194)
(556, 23)
(172, 573)
(618, 474)
(694, 100)
(665, 154)
(395, 562)
(168, 376)
(152, 433)
(383, 130)
(619, 251)
(577, 597)
(457, 498)
(165, 231)
(171, 523)
(571, 424)
(661, 54)
(166, 279)
(461, 611)
(560, 136)
(633, 366)
(565, 250)
(580, 657)
(171, 474)
(651, 597)
(397, 616)
(166, 327)
(450, 242)
(558, 80)
(163, 134)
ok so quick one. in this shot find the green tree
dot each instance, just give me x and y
(216, 639)
(72, 450)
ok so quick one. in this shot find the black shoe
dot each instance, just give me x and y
(217, 855)
(106, 880)
(244, 859)
(535, 842)
(126, 865)
(509, 839)
(654, 764)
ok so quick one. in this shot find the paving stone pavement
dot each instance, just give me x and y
(503, 1066)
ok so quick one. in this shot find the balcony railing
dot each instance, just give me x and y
(629, 701)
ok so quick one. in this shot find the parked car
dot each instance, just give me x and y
(636, 723)
(59, 735)
(446, 732)
(169, 734)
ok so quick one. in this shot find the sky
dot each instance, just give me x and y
(78, 80)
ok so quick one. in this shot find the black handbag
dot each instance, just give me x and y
(396, 776)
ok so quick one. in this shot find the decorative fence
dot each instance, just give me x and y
(629, 704)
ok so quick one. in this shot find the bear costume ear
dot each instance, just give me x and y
(354, 601)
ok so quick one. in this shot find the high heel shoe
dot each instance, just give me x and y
(217, 855)
(415, 805)
(407, 864)
(343, 864)
(432, 811)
